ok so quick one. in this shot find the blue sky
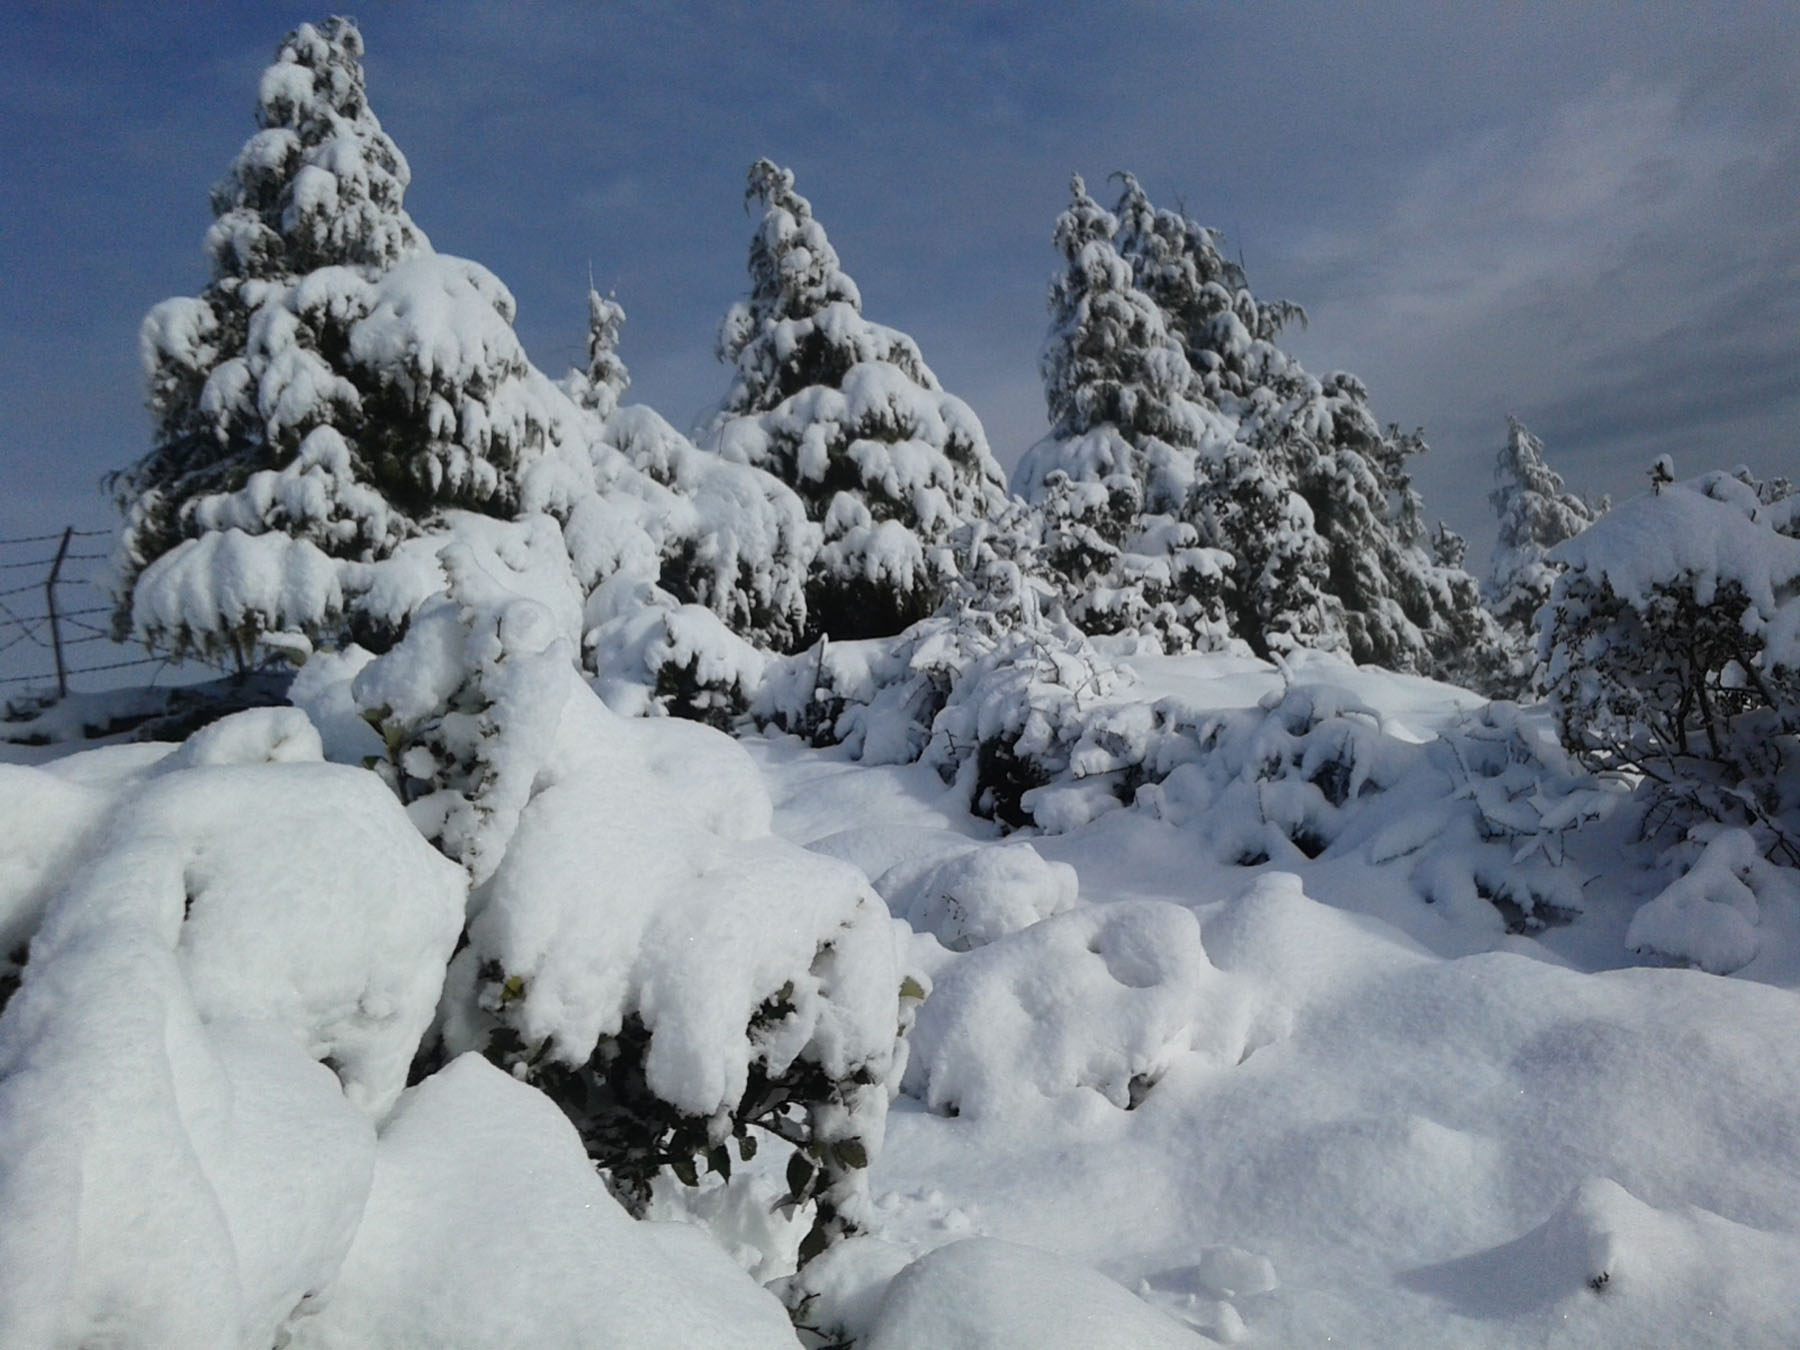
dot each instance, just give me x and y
(1588, 216)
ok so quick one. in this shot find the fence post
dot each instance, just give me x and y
(62, 675)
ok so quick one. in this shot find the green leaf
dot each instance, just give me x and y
(684, 1169)
(911, 988)
(812, 1244)
(850, 1153)
(513, 990)
(718, 1159)
(800, 1171)
(747, 1147)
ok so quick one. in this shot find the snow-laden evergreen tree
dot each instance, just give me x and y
(1536, 515)
(1116, 478)
(334, 384)
(846, 412)
(603, 383)
(1313, 501)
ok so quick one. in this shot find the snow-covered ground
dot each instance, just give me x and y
(1156, 1094)
(1356, 1130)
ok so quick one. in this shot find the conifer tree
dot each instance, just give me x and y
(1116, 478)
(1536, 515)
(1313, 500)
(334, 384)
(605, 381)
(846, 412)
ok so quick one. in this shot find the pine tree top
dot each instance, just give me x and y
(320, 183)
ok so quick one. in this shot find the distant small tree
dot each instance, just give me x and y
(1536, 515)
(847, 413)
(600, 387)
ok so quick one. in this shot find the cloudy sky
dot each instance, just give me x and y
(1587, 216)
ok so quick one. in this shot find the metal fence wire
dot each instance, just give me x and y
(54, 604)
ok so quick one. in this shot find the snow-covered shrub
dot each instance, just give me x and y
(466, 704)
(1708, 917)
(675, 978)
(847, 413)
(638, 946)
(335, 384)
(728, 536)
(1100, 999)
(1672, 652)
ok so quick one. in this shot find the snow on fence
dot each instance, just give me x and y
(54, 604)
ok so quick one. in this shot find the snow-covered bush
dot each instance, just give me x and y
(974, 895)
(847, 413)
(1709, 916)
(638, 946)
(1100, 999)
(335, 384)
(1671, 647)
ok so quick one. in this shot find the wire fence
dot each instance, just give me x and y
(54, 612)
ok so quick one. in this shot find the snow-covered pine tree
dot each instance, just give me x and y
(1314, 502)
(1116, 478)
(1536, 515)
(846, 412)
(600, 387)
(334, 384)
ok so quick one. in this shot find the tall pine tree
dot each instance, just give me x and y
(1313, 501)
(334, 384)
(847, 413)
(1115, 480)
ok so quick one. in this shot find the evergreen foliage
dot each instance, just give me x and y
(1115, 480)
(1311, 499)
(846, 413)
(1536, 515)
(600, 387)
(335, 382)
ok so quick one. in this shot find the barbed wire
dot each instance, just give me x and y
(87, 670)
(41, 538)
(41, 625)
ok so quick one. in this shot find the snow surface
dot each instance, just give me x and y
(1460, 1076)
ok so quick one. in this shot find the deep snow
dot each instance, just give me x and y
(1154, 1097)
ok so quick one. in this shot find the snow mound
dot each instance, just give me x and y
(978, 894)
(470, 1152)
(984, 1294)
(178, 1162)
(1104, 999)
(1708, 918)
(1606, 1267)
